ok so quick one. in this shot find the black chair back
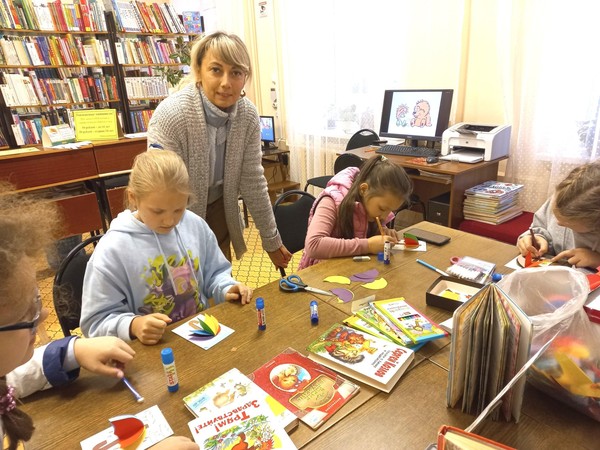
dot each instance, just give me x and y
(362, 138)
(292, 218)
(68, 285)
(346, 160)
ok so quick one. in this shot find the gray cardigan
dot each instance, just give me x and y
(178, 124)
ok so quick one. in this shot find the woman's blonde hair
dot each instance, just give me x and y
(228, 47)
(156, 171)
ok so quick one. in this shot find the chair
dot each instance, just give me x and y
(346, 160)
(361, 138)
(68, 285)
(292, 219)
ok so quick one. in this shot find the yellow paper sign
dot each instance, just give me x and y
(96, 124)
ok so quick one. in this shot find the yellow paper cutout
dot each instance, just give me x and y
(337, 279)
(574, 380)
(377, 284)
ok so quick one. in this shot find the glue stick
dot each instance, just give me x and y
(260, 313)
(387, 249)
(166, 354)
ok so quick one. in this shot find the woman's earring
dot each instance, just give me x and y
(243, 94)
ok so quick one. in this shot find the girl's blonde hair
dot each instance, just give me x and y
(382, 176)
(578, 195)
(157, 171)
(227, 47)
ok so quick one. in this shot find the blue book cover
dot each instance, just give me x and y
(192, 21)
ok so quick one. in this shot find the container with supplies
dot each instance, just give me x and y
(569, 370)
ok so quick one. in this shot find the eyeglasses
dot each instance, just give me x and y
(33, 324)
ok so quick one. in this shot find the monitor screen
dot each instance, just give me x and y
(267, 129)
(419, 114)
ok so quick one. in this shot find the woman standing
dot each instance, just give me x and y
(216, 131)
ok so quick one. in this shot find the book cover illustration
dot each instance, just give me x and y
(384, 325)
(256, 432)
(414, 324)
(192, 21)
(156, 429)
(230, 390)
(472, 269)
(494, 189)
(193, 331)
(361, 356)
(309, 390)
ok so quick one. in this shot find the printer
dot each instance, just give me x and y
(488, 141)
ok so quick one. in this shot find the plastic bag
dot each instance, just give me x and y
(553, 298)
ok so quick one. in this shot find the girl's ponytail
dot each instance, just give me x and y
(18, 426)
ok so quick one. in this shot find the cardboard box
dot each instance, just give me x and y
(449, 292)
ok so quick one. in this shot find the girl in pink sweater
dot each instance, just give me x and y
(343, 219)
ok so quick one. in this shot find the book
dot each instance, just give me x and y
(472, 269)
(414, 324)
(230, 390)
(494, 189)
(361, 356)
(306, 388)
(192, 21)
(491, 340)
(452, 438)
(257, 431)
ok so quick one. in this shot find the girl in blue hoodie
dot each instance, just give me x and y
(159, 262)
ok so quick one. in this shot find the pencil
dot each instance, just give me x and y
(135, 393)
(534, 242)
(380, 227)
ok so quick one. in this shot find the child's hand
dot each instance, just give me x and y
(149, 328)
(393, 234)
(239, 292)
(524, 245)
(100, 354)
(376, 243)
(280, 257)
(579, 257)
(176, 443)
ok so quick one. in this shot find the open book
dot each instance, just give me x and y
(491, 340)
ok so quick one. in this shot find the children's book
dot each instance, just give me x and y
(156, 429)
(194, 331)
(308, 389)
(230, 390)
(257, 431)
(494, 189)
(362, 356)
(491, 339)
(192, 21)
(452, 438)
(414, 324)
(472, 269)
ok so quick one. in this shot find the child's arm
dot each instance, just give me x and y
(319, 242)
(542, 222)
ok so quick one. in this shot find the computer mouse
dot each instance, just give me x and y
(432, 159)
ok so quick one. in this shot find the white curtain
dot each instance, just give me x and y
(551, 81)
(338, 57)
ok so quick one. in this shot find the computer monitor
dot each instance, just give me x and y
(415, 114)
(267, 131)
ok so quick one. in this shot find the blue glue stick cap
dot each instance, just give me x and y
(380, 256)
(166, 354)
(496, 277)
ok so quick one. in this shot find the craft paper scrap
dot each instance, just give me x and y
(344, 295)
(401, 247)
(207, 326)
(188, 331)
(377, 284)
(410, 240)
(128, 429)
(337, 279)
(365, 277)
(157, 429)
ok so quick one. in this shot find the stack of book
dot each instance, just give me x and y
(492, 202)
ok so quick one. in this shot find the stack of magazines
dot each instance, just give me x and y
(492, 202)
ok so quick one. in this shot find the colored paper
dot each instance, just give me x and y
(377, 284)
(337, 279)
(365, 277)
(189, 328)
(128, 429)
(206, 326)
(410, 240)
(344, 295)
(96, 124)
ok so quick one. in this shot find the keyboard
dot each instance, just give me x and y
(406, 150)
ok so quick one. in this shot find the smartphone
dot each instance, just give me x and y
(428, 236)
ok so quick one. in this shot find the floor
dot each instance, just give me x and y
(254, 269)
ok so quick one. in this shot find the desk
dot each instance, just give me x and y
(407, 418)
(461, 177)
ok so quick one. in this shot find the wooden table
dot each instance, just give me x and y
(459, 177)
(406, 418)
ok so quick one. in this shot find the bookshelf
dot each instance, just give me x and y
(57, 56)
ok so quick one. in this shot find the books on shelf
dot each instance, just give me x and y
(138, 16)
(414, 324)
(306, 388)
(492, 202)
(472, 269)
(362, 356)
(490, 342)
(227, 392)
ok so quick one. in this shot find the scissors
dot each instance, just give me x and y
(293, 283)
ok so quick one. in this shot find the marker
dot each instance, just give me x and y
(429, 266)
(314, 312)
(135, 393)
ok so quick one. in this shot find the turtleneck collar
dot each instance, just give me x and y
(215, 116)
